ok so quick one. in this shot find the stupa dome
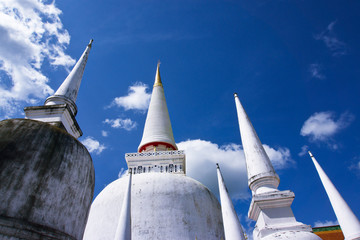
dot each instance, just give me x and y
(295, 235)
(47, 182)
(163, 206)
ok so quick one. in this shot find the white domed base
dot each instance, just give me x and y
(163, 206)
(294, 235)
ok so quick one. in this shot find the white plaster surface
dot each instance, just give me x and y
(163, 206)
(232, 226)
(294, 235)
(349, 223)
(55, 114)
(257, 161)
(123, 230)
(159, 161)
(158, 126)
(70, 87)
(269, 207)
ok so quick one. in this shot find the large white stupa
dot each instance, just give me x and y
(164, 203)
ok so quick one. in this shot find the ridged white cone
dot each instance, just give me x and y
(349, 223)
(257, 161)
(157, 128)
(232, 226)
(68, 91)
(123, 230)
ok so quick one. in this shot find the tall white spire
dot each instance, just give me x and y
(158, 132)
(123, 230)
(68, 91)
(261, 173)
(232, 226)
(349, 223)
(270, 208)
(60, 109)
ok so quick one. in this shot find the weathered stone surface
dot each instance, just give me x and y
(46, 182)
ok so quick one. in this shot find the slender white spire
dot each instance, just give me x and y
(123, 230)
(60, 109)
(232, 226)
(349, 223)
(261, 173)
(157, 130)
(68, 91)
(270, 208)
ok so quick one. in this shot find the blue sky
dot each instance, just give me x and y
(294, 65)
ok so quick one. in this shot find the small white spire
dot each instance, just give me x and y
(261, 173)
(157, 130)
(123, 230)
(232, 226)
(349, 223)
(68, 91)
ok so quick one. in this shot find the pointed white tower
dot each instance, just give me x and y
(60, 109)
(165, 203)
(270, 208)
(123, 230)
(232, 226)
(158, 134)
(157, 151)
(261, 173)
(68, 91)
(349, 223)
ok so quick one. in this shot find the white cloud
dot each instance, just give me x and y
(104, 133)
(201, 157)
(280, 158)
(93, 146)
(321, 126)
(304, 150)
(325, 223)
(331, 41)
(355, 165)
(30, 31)
(126, 124)
(137, 98)
(315, 71)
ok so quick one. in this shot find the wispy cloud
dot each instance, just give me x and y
(202, 155)
(325, 223)
(137, 98)
(304, 150)
(93, 146)
(126, 123)
(30, 31)
(104, 133)
(322, 125)
(315, 70)
(280, 158)
(331, 41)
(356, 165)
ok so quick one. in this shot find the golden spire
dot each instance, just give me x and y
(157, 76)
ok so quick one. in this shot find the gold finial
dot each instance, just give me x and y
(157, 76)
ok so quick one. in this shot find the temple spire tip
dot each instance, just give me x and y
(90, 43)
(157, 76)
